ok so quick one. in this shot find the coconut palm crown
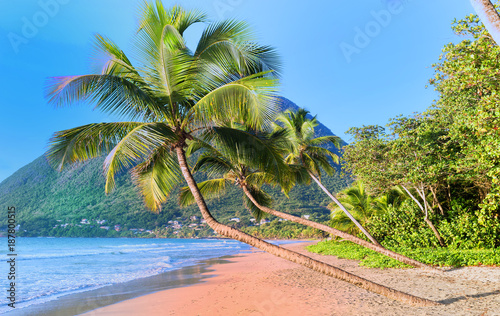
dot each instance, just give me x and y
(255, 159)
(173, 95)
(306, 149)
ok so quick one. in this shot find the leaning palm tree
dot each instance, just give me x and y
(358, 202)
(174, 96)
(232, 164)
(306, 151)
(489, 16)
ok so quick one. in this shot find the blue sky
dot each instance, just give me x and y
(351, 63)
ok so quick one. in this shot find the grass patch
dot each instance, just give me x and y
(431, 256)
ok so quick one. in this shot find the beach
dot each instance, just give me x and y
(257, 283)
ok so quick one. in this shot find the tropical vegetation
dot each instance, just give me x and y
(446, 161)
(174, 98)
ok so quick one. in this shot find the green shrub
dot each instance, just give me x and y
(461, 228)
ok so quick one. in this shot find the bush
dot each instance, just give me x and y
(403, 228)
(461, 229)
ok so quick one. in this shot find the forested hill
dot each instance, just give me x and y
(50, 203)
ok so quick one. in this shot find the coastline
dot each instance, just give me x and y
(82, 302)
(261, 284)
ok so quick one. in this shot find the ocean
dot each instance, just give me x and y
(50, 268)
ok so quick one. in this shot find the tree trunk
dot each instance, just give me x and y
(489, 16)
(361, 228)
(434, 195)
(339, 233)
(426, 219)
(288, 254)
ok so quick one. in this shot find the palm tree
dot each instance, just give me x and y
(489, 16)
(359, 203)
(362, 205)
(241, 165)
(173, 97)
(307, 153)
(394, 197)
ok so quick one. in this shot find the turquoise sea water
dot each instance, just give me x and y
(48, 268)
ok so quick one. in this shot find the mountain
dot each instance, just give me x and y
(50, 203)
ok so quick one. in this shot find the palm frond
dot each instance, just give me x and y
(135, 146)
(260, 151)
(196, 145)
(157, 176)
(213, 165)
(111, 60)
(153, 19)
(229, 48)
(209, 189)
(260, 178)
(86, 142)
(261, 197)
(111, 94)
(334, 140)
(316, 152)
(251, 100)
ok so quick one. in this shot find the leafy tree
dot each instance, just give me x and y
(466, 78)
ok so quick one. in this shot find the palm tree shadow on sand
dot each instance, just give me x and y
(450, 301)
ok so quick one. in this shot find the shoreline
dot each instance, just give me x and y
(261, 284)
(81, 301)
(85, 301)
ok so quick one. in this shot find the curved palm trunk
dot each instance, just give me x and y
(339, 233)
(361, 228)
(288, 254)
(489, 16)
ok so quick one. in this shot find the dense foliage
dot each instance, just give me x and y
(445, 161)
(447, 158)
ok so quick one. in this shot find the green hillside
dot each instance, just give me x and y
(49, 203)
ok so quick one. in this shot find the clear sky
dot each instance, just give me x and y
(351, 63)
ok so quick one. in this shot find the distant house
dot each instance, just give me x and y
(306, 216)
(193, 218)
(117, 228)
(84, 221)
(203, 221)
(252, 219)
(264, 221)
(100, 222)
(235, 219)
(104, 227)
(193, 225)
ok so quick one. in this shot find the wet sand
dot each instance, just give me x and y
(261, 284)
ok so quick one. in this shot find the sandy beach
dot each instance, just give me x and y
(261, 284)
